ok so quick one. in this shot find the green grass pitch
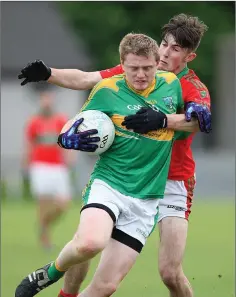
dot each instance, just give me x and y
(209, 259)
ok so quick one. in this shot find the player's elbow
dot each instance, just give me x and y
(90, 79)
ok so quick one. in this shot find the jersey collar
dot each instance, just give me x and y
(183, 72)
(145, 93)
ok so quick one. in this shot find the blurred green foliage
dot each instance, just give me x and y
(103, 24)
(3, 190)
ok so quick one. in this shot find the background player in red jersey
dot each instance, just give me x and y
(47, 166)
(181, 37)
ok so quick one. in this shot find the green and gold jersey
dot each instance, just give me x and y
(136, 165)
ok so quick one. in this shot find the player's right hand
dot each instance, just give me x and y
(80, 141)
(145, 120)
(34, 72)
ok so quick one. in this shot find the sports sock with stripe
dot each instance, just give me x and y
(63, 294)
(54, 273)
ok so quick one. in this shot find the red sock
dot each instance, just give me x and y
(63, 294)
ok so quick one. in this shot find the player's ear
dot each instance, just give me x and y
(190, 57)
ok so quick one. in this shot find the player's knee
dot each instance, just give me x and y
(89, 246)
(169, 276)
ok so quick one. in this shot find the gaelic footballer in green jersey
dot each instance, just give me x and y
(126, 166)
(121, 201)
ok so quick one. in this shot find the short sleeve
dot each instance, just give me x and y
(196, 92)
(102, 96)
(112, 71)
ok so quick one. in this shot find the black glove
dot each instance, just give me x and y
(34, 72)
(145, 120)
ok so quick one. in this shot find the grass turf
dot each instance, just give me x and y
(208, 263)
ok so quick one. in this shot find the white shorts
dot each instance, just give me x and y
(50, 180)
(177, 199)
(134, 219)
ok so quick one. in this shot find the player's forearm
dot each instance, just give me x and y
(74, 79)
(177, 122)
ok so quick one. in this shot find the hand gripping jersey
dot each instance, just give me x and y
(182, 165)
(136, 165)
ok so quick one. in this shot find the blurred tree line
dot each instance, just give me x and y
(103, 24)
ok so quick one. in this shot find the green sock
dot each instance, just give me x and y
(55, 274)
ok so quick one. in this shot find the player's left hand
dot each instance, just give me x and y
(145, 120)
(201, 112)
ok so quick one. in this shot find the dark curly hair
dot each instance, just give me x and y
(186, 29)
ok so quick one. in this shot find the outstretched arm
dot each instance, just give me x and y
(74, 79)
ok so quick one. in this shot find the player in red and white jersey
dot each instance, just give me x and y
(180, 39)
(46, 164)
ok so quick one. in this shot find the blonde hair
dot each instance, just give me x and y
(138, 44)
